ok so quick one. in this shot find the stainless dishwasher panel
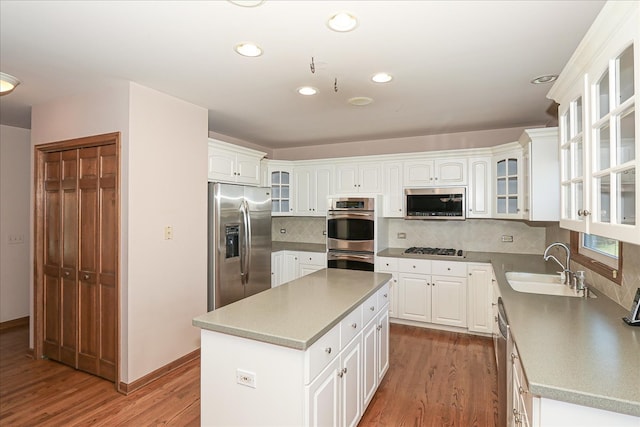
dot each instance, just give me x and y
(501, 361)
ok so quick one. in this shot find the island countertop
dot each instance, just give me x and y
(296, 313)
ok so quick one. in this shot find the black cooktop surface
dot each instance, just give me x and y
(434, 251)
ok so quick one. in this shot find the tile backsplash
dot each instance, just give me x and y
(470, 235)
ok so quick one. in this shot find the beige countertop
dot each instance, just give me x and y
(297, 313)
(298, 246)
(574, 350)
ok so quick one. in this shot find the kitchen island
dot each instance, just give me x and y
(310, 350)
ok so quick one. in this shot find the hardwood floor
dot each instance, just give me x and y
(435, 379)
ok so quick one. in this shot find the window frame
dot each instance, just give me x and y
(604, 270)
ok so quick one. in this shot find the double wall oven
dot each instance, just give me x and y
(350, 233)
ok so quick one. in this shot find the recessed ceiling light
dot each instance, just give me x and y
(342, 22)
(307, 90)
(7, 83)
(382, 78)
(247, 3)
(544, 79)
(248, 49)
(360, 101)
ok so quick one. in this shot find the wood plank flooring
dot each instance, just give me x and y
(435, 379)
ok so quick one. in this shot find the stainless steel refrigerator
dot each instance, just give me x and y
(239, 247)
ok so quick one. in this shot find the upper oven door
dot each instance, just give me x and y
(350, 231)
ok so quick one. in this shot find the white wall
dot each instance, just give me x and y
(15, 172)
(163, 182)
(168, 187)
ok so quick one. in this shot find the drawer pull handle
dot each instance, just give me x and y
(372, 308)
(328, 350)
(354, 325)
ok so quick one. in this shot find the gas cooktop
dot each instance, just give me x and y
(435, 251)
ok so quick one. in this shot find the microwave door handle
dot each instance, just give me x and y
(340, 213)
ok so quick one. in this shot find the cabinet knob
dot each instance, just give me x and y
(521, 390)
(86, 277)
(385, 295)
(66, 273)
(448, 268)
(354, 325)
(328, 350)
(372, 308)
(378, 327)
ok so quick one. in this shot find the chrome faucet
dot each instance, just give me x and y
(565, 268)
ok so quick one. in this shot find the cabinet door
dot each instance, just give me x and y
(303, 184)
(479, 309)
(290, 269)
(222, 165)
(508, 186)
(370, 178)
(418, 173)
(393, 200)
(449, 301)
(351, 384)
(415, 297)
(323, 397)
(479, 195)
(282, 190)
(323, 187)
(277, 265)
(450, 172)
(346, 178)
(383, 343)
(247, 169)
(369, 362)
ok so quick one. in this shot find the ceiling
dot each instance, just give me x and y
(457, 65)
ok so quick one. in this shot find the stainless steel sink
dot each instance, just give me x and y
(545, 284)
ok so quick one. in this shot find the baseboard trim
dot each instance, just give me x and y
(9, 324)
(152, 376)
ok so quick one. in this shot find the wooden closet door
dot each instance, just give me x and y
(60, 257)
(97, 261)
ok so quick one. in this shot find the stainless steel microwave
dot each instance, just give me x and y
(435, 203)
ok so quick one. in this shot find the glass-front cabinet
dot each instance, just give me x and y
(508, 182)
(598, 119)
(280, 181)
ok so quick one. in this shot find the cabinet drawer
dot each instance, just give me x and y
(414, 266)
(350, 326)
(321, 353)
(449, 268)
(386, 264)
(315, 258)
(370, 308)
(384, 295)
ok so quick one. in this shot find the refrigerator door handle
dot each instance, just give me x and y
(243, 243)
(247, 237)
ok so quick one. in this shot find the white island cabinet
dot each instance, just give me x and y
(296, 355)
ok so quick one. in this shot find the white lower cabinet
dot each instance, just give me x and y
(390, 265)
(426, 297)
(339, 395)
(479, 303)
(290, 265)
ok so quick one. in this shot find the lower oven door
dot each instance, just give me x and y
(350, 260)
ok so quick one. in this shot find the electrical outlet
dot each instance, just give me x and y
(168, 233)
(283, 231)
(246, 378)
(324, 232)
(402, 235)
(16, 239)
(506, 238)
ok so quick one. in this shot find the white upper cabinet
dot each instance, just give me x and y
(232, 163)
(480, 188)
(435, 172)
(280, 179)
(312, 183)
(507, 172)
(541, 174)
(393, 192)
(356, 177)
(598, 115)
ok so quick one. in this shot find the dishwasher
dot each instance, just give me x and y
(502, 350)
